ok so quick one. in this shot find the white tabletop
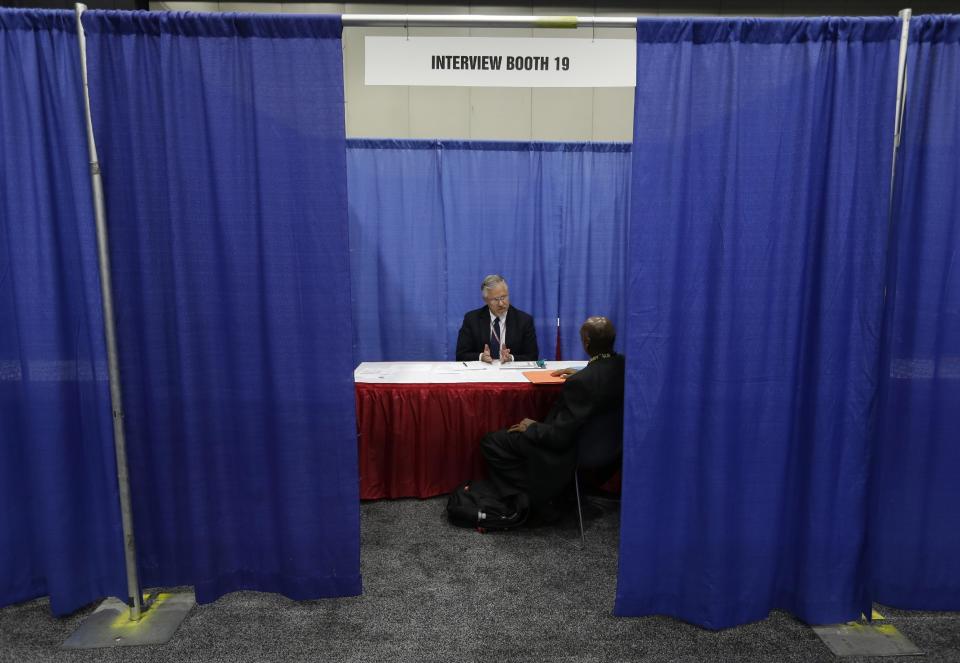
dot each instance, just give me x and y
(450, 372)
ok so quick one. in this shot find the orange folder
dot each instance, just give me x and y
(542, 377)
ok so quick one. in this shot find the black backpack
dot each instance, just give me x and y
(478, 504)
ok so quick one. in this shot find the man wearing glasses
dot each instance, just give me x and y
(497, 331)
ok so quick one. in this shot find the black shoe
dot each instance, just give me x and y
(547, 513)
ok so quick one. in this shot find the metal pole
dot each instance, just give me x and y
(481, 21)
(135, 597)
(904, 15)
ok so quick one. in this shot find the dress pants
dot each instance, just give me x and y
(506, 455)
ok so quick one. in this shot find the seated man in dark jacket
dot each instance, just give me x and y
(538, 458)
(497, 330)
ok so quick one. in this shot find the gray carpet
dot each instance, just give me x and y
(433, 592)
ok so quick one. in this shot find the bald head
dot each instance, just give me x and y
(597, 335)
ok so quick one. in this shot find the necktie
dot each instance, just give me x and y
(495, 339)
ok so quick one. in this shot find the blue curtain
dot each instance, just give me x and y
(914, 525)
(593, 247)
(398, 259)
(222, 146)
(59, 514)
(428, 220)
(761, 167)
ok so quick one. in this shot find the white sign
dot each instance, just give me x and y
(501, 62)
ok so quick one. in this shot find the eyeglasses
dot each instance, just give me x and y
(501, 299)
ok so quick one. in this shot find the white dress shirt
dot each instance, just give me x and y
(503, 330)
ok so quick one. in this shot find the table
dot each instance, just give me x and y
(420, 423)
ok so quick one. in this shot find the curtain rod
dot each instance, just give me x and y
(486, 21)
(482, 21)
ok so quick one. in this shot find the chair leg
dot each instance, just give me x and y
(576, 487)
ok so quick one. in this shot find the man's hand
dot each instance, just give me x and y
(505, 355)
(485, 357)
(522, 426)
(563, 372)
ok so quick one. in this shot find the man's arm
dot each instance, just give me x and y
(466, 347)
(561, 433)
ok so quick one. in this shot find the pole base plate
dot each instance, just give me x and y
(860, 638)
(110, 626)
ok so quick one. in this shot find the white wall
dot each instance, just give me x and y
(555, 114)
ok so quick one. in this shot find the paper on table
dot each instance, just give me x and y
(460, 367)
(386, 369)
(411, 367)
(524, 365)
(542, 377)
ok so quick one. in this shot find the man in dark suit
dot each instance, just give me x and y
(538, 458)
(497, 330)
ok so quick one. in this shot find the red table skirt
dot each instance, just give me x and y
(421, 440)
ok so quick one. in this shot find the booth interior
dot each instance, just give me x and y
(771, 218)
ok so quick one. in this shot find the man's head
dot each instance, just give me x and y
(496, 294)
(597, 335)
